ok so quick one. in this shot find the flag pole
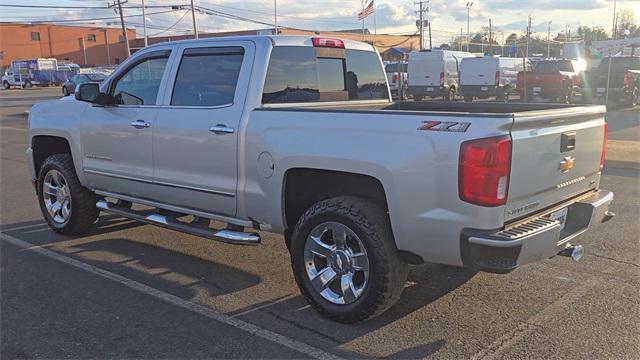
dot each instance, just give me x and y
(375, 26)
(363, 3)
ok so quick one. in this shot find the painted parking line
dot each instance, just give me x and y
(269, 335)
(541, 319)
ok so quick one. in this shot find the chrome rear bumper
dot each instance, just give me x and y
(535, 238)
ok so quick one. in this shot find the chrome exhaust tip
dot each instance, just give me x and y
(575, 252)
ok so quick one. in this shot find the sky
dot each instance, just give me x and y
(448, 17)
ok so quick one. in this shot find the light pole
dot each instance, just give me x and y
(195, 25)
(275, 16)
(468, 6)
(549, 40)
(144, 26)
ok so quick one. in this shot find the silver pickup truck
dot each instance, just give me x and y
(298, 136)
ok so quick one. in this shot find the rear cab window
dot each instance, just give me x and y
(310, 74)
(207, 76)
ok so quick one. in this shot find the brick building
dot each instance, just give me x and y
(79, 44)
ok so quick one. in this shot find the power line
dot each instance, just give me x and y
(93, 19)
(172, 26)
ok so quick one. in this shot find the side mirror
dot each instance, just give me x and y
(87, 92)
(90, 92)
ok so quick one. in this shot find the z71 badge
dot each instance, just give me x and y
(450, 126)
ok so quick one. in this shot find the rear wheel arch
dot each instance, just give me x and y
(303, 187)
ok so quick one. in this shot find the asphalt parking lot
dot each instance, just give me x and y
(128, 290)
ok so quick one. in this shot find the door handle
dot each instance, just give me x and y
(221, 129)
(140, 124)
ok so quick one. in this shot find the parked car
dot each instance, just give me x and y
(631, 89)
(434, 73)
(69, 87)
(595, 81)
(298, 136)
(397, 74)
(556, 80)
(489, 76)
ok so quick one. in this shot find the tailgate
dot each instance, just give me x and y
(555, 156)
(538, 79)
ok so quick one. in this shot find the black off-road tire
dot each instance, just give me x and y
(387, 274)
(83, 212)
(6, 85)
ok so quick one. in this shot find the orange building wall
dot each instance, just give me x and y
(61, 42)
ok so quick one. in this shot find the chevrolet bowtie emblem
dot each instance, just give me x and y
(567, 164)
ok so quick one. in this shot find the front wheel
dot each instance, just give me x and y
(68, 207)
(65, 92)
(345, 261)
(6, 85)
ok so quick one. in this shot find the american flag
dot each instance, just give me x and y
(366, 11)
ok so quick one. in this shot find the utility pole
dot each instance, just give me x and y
(528, 34)
(275, 16)
(549, 40)
(430, 45)
(421, 24)
(490, 44)
(460, 40)
(468, 6)
(84, 50)
(613, 28)
(144, 26)
(193, 16)
(119, 3)
(106, 42)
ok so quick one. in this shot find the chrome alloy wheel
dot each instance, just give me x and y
(56, 196)
(336, 262)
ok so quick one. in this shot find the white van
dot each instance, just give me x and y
(488, 76)
(434, 73)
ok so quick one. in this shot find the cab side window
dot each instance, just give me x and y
(139, 85)
(207, 77)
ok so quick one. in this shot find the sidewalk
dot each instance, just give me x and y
(623, 154)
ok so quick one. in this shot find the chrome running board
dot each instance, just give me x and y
(153, 218)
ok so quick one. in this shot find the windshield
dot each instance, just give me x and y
(620, 64)
(553, 66)
(391, 68)
(96, 77)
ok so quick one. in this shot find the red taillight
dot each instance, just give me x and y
(604, 145)
(326, 42)
(483, 174)
(627, 79)
(497, 78)
(442, 78)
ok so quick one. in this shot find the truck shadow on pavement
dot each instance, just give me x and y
(189, 277)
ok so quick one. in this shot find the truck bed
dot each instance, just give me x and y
(439, 107)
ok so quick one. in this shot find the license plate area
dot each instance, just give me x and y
(537, 89)
(561, 216)
(484, 88)
(430, 89)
